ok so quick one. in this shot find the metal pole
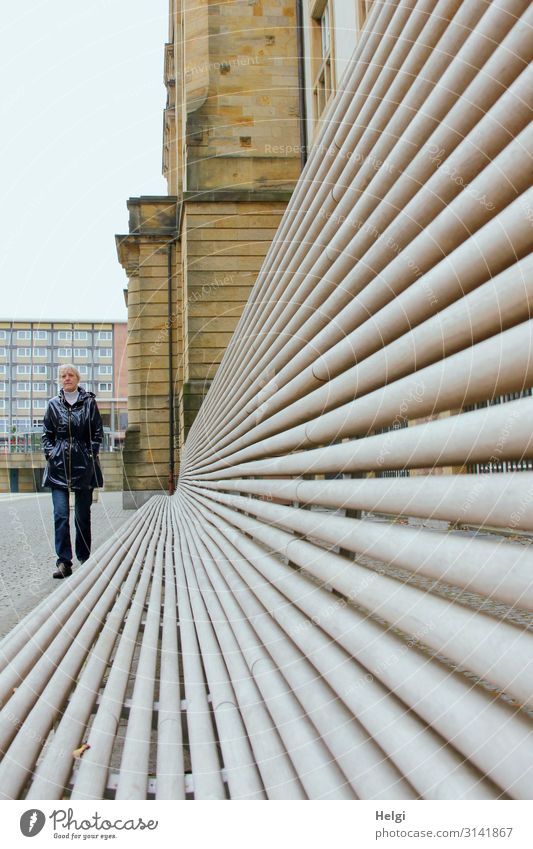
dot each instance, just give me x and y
(170, 324)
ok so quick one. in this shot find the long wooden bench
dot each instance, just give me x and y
(131, 681)
(141, 677)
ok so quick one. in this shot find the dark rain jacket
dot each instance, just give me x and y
(71, 441)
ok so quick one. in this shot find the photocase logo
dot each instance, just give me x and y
(32, 822)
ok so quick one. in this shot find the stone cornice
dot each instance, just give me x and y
(154, 215)
(128, 254)
(154, 219)
(239, 196)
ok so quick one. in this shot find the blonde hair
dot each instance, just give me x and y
(69, 367)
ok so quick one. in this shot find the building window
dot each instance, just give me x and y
(3, 425)
(64, 335)
(21, 424)
(64, 352)
(2, 386)
(23, 386)
(323, 82)
(3, 369)
(325, 32)
(81, 335)
(39, 352)
(83, 369)
(40, 369)
(3, 335)
(399, 423)
(105, 369)
(39, 387)
(23, 369)
(23, 334)
(21, 352)
(2, 403)
(39, 404)
(80, 352)
(105, 387)
(23, 403)
(105, 335)
(105, 352)
(40, 335)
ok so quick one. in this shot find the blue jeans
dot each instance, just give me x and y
(82, 522)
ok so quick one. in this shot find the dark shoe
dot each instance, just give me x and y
(63, 571)
(81, 562)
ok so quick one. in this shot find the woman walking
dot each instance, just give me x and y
(72, 435)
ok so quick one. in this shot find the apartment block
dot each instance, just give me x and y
(30, 355)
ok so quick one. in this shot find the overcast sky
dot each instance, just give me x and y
(81, 100)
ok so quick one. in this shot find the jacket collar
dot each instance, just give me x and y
(82, 396)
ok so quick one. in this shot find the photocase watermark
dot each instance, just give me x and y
(32, 822)
(65, 824)
(528, 209)
(17, 723)
(14, 97)
(285, 149)
(332, 609)
(196, 296)
(222, 67)
(471, 499)
(525, 503)
(351, 155)
(393, 658)
(396, 248)
(376, 163)
(503, 438)
(415, 396)
(26, 559)
(65, 820)
(438, 155)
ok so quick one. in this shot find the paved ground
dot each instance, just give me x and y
(27, 556)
